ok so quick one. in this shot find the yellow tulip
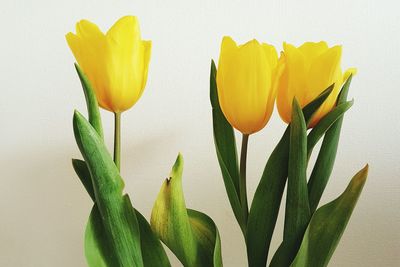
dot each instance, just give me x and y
(116, 63)
(306, 72)
(246, 83)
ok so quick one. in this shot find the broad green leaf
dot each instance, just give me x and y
(169, 218)
(297, 212)
(98, 250)
(207, 235)
(192, 236)
(97, 246)
(107, 182)
(326, 157)
(267, 198)
(328, 224)
(91, 101)
(122, 230)
(225, 146)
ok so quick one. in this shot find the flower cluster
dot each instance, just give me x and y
(250, 77)
(310, 90)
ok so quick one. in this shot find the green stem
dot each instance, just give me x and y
(243, 187)
(117, 139)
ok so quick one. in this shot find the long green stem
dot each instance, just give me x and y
(117, 140)
(243, 186)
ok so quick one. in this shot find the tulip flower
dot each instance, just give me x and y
(245, 82)
(246, 92)
(306, 72)
(116, 63)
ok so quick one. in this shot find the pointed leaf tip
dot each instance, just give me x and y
(362, 175)
(328, 224)
(91, 101)
(213, 66)
(178, 166)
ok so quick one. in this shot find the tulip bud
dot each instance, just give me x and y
(116, 63)
(246, 83)
(307, 71)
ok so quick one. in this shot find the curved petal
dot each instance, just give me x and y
(76, 47)
(227, 59)
(146, 46)
(90, 49)
(275, 73)
(125, 28)
(324, 72)
(293, 81)
(312, 50)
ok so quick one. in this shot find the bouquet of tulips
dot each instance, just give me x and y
(310, 91)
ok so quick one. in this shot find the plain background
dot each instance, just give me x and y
(43, 206)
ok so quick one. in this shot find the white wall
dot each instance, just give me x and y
(43, 206)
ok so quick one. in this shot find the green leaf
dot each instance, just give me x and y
(99, 252)
(98, 249)
(225, 146)
(326, 157)
(192, 236)
(328, 224)
(267, 198)
(91, 102)
(207, 235)
(95, 120)
(107, 182)
(152, 250)
(297, 212)
(83, 173)
(314, 105)
(122, 230)
(325, 123)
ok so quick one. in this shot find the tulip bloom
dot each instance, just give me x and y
(307, 71)
(246, 83)
(116, 63)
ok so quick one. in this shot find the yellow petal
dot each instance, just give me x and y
(283, 97)
(123, 39)
(227, 58)
(327, 68)
(324, 71)
(312, 50)
(89, 31)
(125, 28)
(75, 46)
(146, 60)
(275, 73)
(271, 54)
(293, 82)
(90, 49)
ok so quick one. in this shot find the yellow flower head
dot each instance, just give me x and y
(307, 71)
(245, 82)
(116, 63)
